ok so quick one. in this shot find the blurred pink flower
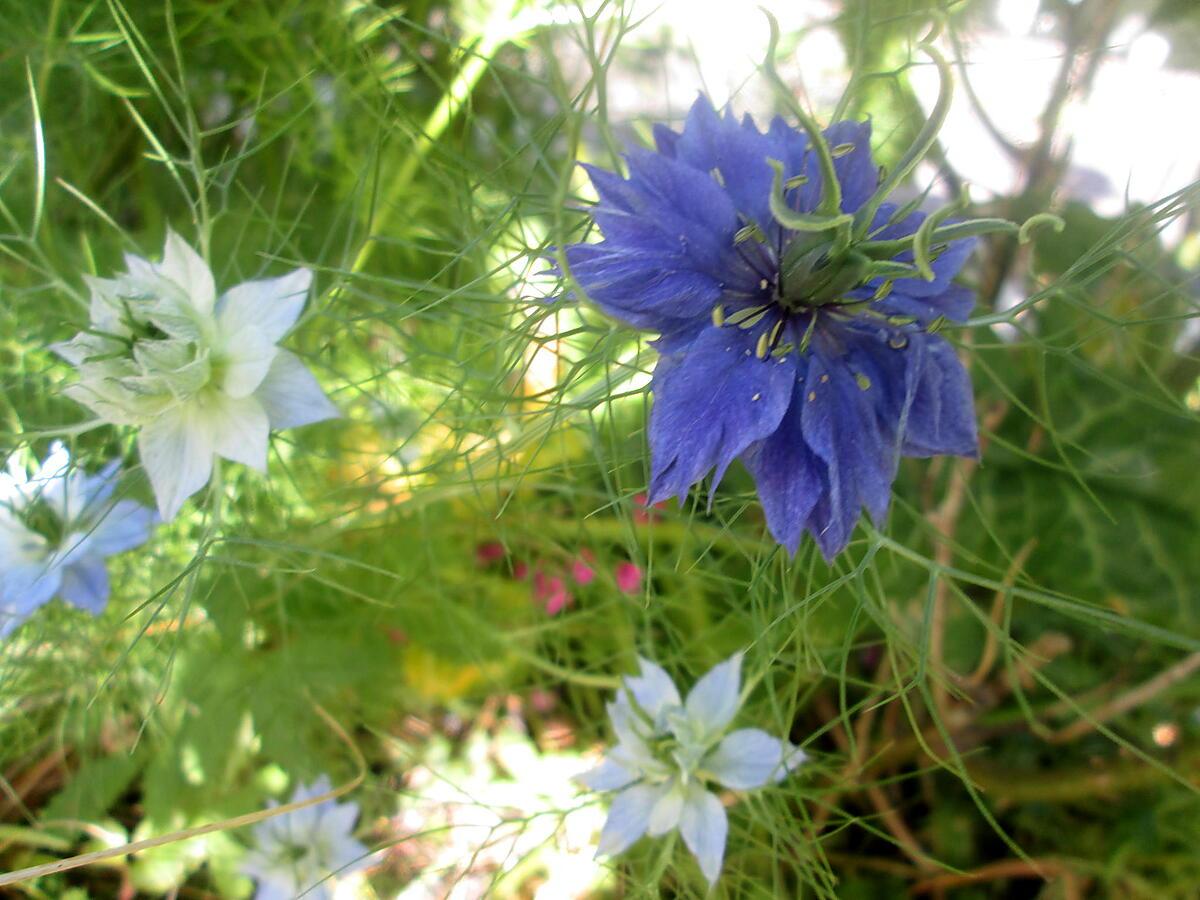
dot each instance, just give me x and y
(581, 571)
(643, 513)
(629, 577)
(551, 591)
(520, 570)
(489, 552)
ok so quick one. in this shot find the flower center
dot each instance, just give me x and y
(812, 274)
(39, 518)
(809, 283)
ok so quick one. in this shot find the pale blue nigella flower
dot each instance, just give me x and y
(57, 529)
(666, 752)
(303, 852)
(199, 374)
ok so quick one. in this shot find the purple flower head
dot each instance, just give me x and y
(796, 332)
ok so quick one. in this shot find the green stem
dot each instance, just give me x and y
(925, 139)
(831, 190)
(494, 36)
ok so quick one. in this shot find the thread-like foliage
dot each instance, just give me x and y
(994, 685)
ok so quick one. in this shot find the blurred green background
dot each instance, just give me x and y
(999, 690)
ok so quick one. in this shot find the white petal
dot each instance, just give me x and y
(105, 407)
(140, 268)
(178, 455)
(713, 702)
(268, 307)
(247, 357)
(746, 759)
(18, 545)
(75, 350)
(291, 396)
(608, 776)
(239, 429)
(628, 818)
(665, 814)
(55, 466)
(704, 828)
(184, 266)
(653, 689)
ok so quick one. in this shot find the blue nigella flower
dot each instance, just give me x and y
(796, 315)
(57, 529)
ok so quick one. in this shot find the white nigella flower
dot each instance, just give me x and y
(200, 375)
(303, 852)
(668, 749)
(57, 528)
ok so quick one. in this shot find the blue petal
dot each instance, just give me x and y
(942, 415)
(24, 588)
(942, 297)
(739, 152)
(646, 292)
(665, 815)
(666, 209)
(686, 204)
(955, 303)
(856, 170)
(653, 689)
(665, 140)
(746, 759)
(125, 526)
(714, 700)
(628, 817)
(613, 190)
(608, 776)
(85, 584)
(793, 759)
(704, 828)
(840, 425)
(711, 401)
(98, 488)
(790, 477)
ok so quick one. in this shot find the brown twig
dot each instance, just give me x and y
(987, 658)
(1129, 700)
(862, 730)
(1085, 784)
(87, 859)
(892, 820)
(873, 864)
(1046, 869)
(24, 784)
(944, 521)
